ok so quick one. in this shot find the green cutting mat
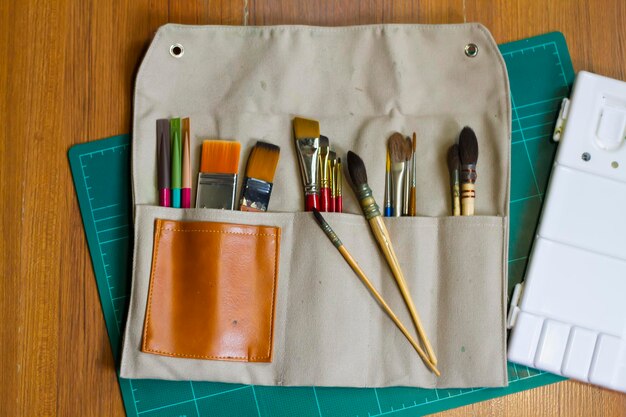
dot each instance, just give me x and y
(540, 73)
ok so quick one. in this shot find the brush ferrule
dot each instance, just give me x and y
(255, 194)
(311, 189)
(308, 151)
(366, 199)
(331, 234)
(324, 167)
(216, 191)
(455, 177)
(333, 179)
(339, 179)
(397, 181)
(468, 173)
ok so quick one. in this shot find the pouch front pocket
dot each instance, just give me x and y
(212, 291)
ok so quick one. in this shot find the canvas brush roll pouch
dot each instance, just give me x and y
(296, 314)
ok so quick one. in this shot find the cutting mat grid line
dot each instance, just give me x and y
(540, 75)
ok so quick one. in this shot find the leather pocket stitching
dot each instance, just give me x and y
(153, 275)
(219, 231)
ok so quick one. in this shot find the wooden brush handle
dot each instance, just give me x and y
(468, 195)
(357, 269)
(456, 199)
(382, 237)
(412, 203)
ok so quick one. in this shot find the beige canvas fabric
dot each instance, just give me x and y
(362, 84)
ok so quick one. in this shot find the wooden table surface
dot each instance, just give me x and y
(66, 77)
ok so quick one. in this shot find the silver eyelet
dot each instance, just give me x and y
(471, 50)
(177, 50)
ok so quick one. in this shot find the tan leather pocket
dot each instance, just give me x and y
(212, 291)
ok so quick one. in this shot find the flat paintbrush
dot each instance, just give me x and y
(217, 180)
(397, 147)
(468, 151)
(453, 168)
(363, 192)
(359, 272)
(257, 185)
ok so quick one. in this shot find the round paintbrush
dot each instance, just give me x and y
(468, 151)
(453, 167)
(359, 272)
(358, 175)
(413, 197)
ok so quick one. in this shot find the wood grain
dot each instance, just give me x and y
(66, 76)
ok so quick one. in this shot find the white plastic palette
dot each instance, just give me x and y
(571, 318)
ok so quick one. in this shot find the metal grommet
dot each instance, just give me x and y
(586, 156)
(177, 50)
(471, 50)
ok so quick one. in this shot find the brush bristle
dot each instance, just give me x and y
(453, 157)
(408, 149)
(220, 157)
(324, 142)
(397, 148)
(356, 168)
(414, 141)
(468, 146)
(262, 161)
(305, 128)
(318, 216)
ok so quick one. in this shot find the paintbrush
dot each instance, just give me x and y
(324, 175)
(332, 166)
(339, 182)
(468, 152)
(413, 197)
(217, 180)
(397, 147)
(387, 207)
(359, 272)
(260, 170)
(453, 168)
(358, 174)
(306, 133)
(408, 155)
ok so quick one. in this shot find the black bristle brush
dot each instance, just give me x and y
(468, 152)
(358, 175)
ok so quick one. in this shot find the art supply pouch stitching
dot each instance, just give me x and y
(212, 291)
